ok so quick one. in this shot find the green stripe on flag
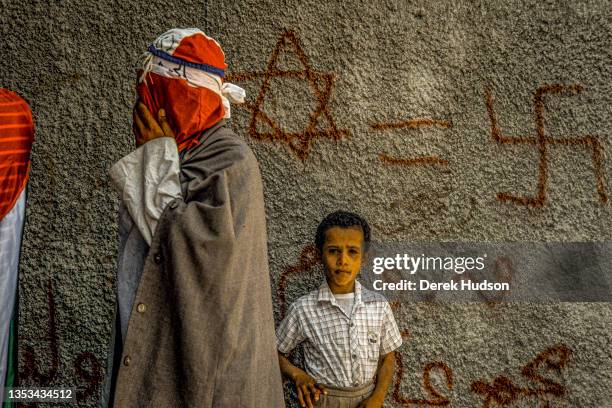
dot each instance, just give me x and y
(11, 372)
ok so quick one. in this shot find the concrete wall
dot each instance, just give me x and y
(382, 83)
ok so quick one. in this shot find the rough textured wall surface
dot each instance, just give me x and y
(441, 121)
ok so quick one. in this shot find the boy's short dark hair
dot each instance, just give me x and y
(343, 219)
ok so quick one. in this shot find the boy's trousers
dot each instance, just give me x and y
(340, 397)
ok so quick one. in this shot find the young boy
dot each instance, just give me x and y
(349, 332)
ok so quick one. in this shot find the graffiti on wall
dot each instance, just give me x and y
(412, 124)
(321, 123)
(503, 392)
(321, 84)
(86, 365)
(542, 141)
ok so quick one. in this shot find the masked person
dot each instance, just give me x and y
(194, 323)
(16, 138)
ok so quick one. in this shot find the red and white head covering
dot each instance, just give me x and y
(183, 73)
(16, 138)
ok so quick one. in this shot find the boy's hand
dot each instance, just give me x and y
(146, 127)
(307, 389)
(386, 365)
(371, 402)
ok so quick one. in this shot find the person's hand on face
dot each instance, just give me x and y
(145, 126)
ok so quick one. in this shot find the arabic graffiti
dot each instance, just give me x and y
(436, 399)
(503, 392)
(86, 365)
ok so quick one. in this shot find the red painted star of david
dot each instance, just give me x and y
(321, 85)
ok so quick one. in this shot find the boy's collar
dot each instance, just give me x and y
(326, 295)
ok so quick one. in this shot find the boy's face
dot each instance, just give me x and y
(341, 256)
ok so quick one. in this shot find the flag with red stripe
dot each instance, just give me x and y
(16, 137)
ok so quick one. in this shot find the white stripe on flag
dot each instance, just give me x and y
(11, 228)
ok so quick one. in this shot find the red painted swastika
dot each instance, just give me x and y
(541, 141)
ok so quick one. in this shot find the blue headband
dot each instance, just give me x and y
(203, 67)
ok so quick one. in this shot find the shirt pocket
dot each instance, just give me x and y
(370, 345)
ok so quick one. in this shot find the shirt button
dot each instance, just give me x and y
(141, 308)
(173, 204)
(354, 356)
(127, 360)
(157, 258)
(352, 324)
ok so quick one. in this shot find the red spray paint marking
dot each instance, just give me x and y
(542, 141)
(31, 374)
(503, 392)
(412, 124)
(321, 85)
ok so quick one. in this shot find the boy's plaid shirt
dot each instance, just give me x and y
(340, 350)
